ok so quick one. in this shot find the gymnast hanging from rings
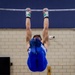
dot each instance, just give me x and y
(37, 46)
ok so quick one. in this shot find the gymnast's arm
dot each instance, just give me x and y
(28, 27)
(45, 29)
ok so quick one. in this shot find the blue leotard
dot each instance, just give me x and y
(37, 56)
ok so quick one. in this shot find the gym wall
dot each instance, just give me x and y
(15, 19)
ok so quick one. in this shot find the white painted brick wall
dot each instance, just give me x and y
(60, 55)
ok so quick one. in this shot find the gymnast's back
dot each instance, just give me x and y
(36, 55)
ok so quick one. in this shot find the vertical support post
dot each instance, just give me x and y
(48, 70)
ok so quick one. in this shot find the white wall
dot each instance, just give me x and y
(60, 55)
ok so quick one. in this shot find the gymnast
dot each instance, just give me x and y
(37, 46)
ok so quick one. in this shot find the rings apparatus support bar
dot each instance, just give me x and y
(7, 9)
